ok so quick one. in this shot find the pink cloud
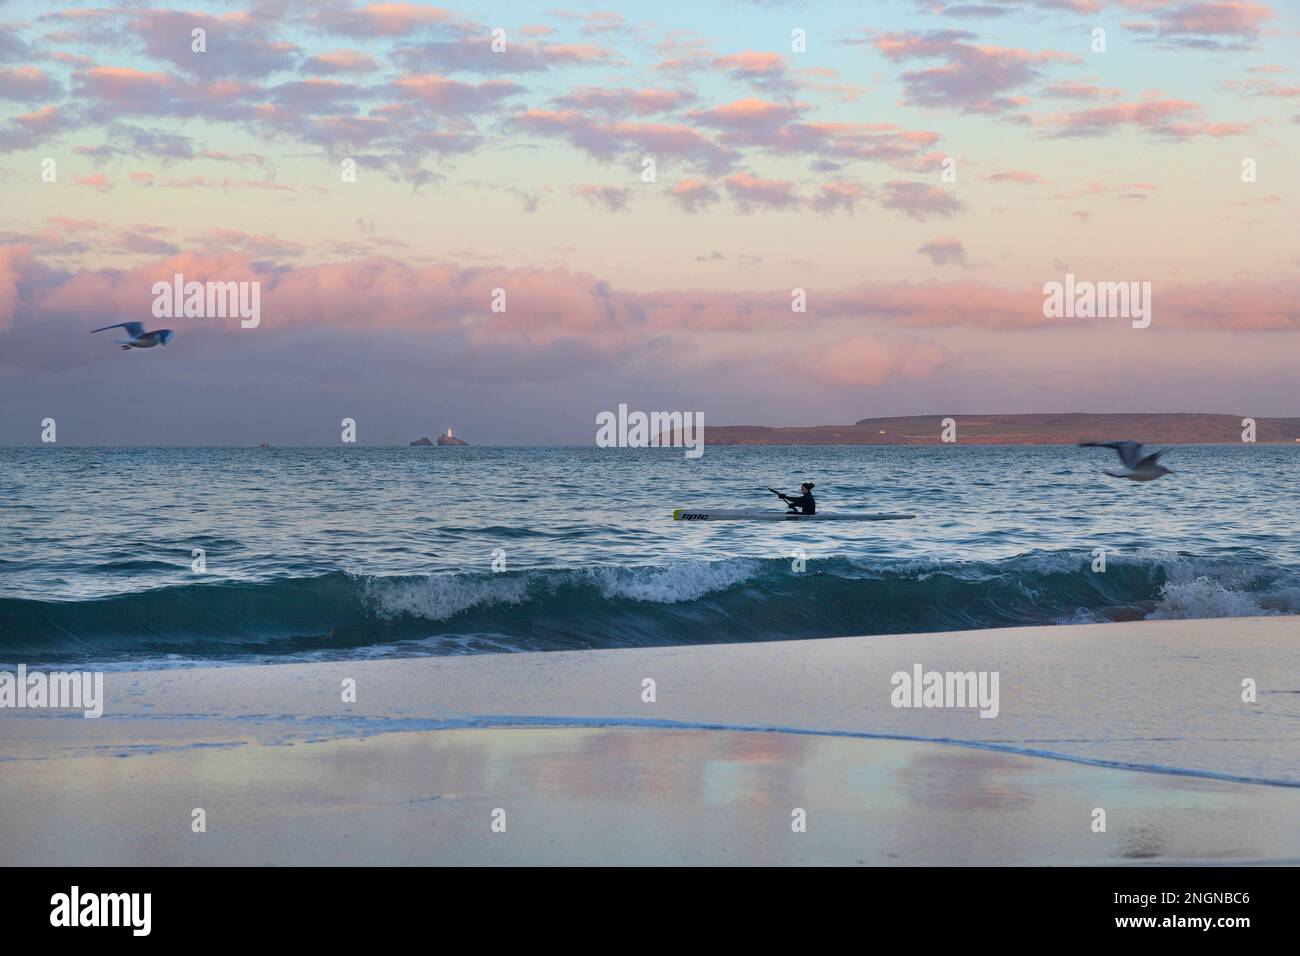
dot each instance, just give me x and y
(760, 69)
(944, 251)
(340, 61)
(263, 246)
(144, 244)
(1163, 118)
(1071, 90)
(975, 78)
(612, 198)
(209, 182)
(1260, 87)
(751, 63)
(453, 96)
(868, 361)
(608, 140)
(599, 21)
(751, 193)
(551, 305)
(239, 45)
(95, 181)
(15, 259)
(919, 201)
(1205, 25)
(381, 19)
(32, 129)
(123, 91)
(693, 194)
(27, 84)
(1020, 176)
(746, 114)
(644, 102)
(767, 126)
(840, 194)
(475, 54)
(315, 95)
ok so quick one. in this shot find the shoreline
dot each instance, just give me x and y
(1147, 713)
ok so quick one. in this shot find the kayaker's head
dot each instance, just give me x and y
(807, 486)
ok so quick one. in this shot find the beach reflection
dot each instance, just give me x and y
(627, 796)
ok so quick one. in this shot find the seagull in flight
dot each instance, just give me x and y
(1137, 466)
(139, 338)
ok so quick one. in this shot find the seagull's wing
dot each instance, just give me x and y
(1129, 451)
(1151, 459)
(133, 329)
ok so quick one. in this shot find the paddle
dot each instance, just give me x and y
(783, 497)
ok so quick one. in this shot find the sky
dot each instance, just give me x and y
(647, 186)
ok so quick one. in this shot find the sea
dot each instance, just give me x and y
(141, 558)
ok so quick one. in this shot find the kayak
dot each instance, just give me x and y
(695, 514)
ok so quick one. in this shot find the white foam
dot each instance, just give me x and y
(684, 581)
(440, 596)
(1204, 597)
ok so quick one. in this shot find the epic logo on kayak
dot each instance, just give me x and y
(654, 430)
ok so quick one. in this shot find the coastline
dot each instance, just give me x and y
(1030, 429)
(1144, 719)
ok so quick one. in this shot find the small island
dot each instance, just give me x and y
(448, 439)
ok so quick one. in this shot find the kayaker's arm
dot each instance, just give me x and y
(804, 502)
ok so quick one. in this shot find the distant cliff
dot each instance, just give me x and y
(423, 441)
(1034, 429)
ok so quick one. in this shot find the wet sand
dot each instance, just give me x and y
(626, 796)
(1144, 720)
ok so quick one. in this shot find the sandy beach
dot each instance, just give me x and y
(1144, 720)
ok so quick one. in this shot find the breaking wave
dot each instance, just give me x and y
(687, 602)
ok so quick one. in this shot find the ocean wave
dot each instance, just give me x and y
(1204, 597)
(684, 602)
(439, 597)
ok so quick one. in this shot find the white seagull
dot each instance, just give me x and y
(1137, 466)
(139, 338)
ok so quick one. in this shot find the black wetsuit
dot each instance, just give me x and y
(804, 503)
